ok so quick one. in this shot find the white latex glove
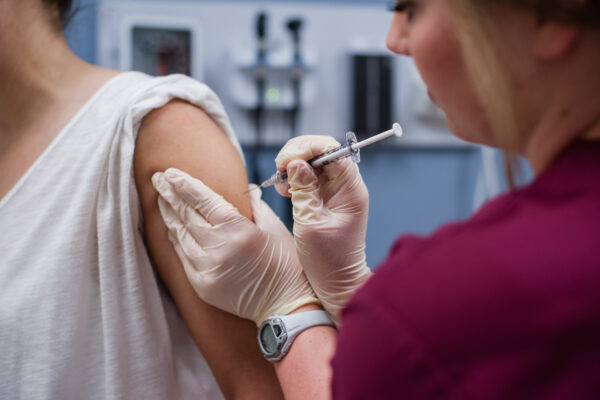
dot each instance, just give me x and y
(245, 268)
(330, 209)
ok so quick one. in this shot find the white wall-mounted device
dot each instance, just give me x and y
(161, 45)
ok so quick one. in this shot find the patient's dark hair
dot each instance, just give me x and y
(61, 10)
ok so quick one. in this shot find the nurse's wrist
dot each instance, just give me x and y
(314, 333)
(305, 369)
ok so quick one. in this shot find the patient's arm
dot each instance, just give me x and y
(181, 135)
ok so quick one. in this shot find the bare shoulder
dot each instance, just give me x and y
(183, 136)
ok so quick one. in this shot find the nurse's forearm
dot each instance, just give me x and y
(305, 372)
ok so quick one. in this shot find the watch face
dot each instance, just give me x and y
(271, 337)
(268, 339)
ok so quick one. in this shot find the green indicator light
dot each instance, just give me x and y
(272, 95)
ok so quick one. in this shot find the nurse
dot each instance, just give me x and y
(504, 305)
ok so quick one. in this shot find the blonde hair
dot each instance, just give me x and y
(489, 74)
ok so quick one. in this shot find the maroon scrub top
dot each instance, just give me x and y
(505, 305)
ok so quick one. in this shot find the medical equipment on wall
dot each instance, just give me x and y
(223, 54)
(161, 46)
(260, 80)
(372, 85)
(161, 51)
(294, 25)
(288, 72)
(278, 75)
(350, 149)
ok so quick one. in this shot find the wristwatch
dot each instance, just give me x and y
(277, 333)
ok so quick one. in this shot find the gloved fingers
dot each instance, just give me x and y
(186, 247)
(182, 220)
(304, 148)
(205, 235)
(347, 185)
(329, 172)
(283, 189)
(173, 208)
(262, 213)
(191, 190)
(170, 217)
(178, 214)
(178, 204)
(166, 191)
(307, 202)
(226, 231)
(182, 244)
(337, 168)
(212, 206)
(193, 270)
(255, 192)
(265, 218)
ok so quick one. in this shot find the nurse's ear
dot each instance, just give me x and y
(555, 40)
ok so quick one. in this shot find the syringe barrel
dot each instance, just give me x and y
(351, 148)
(277, 177)
(331, 157)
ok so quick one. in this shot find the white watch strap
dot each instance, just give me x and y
(296, 323)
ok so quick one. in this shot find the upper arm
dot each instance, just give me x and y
(183, 136)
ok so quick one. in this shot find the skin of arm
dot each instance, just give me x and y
(183, 136)
(305, 371)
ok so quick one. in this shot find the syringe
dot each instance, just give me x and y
(350, 149)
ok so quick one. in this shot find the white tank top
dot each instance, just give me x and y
(82, 315)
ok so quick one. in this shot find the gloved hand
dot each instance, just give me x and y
(330, 209)
(248, 269)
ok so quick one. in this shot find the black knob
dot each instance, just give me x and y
(261, 25)
(295, 25)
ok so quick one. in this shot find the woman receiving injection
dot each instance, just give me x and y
(94, 302)
(504, 305)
